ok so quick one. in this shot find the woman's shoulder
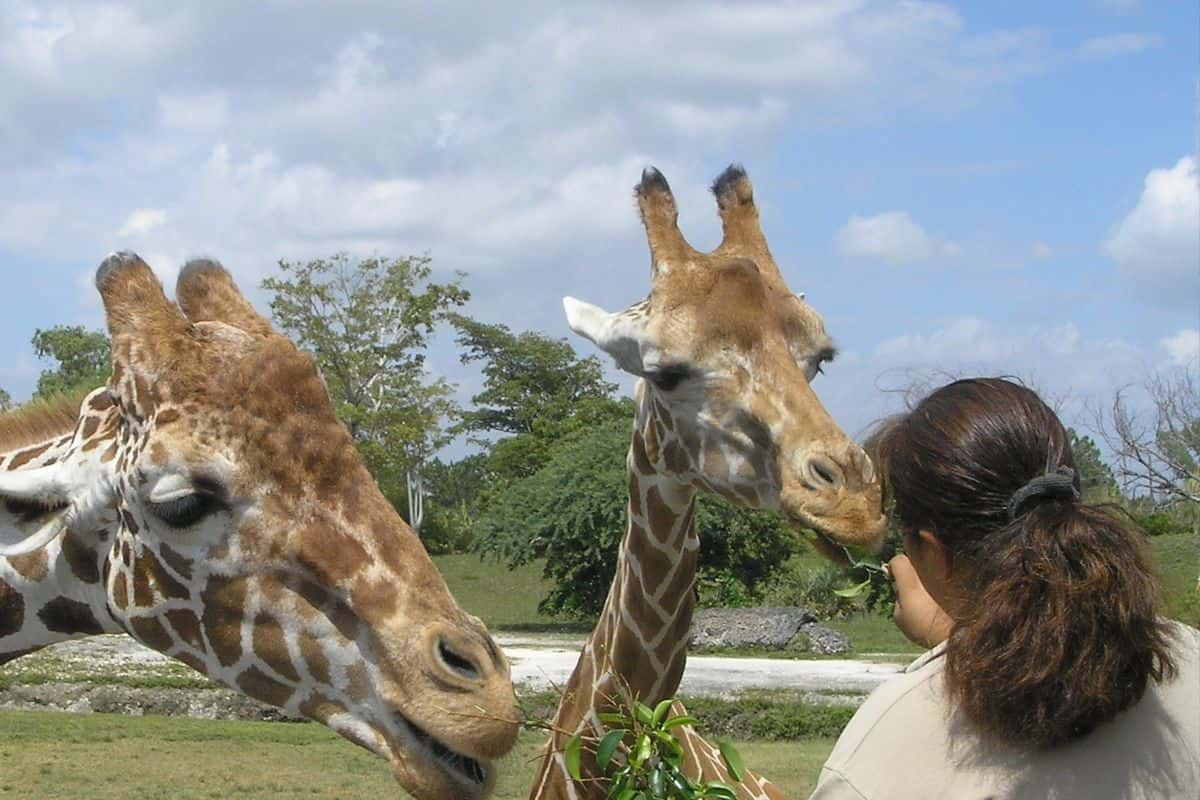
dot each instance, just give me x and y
(912, 700)
(907, 734)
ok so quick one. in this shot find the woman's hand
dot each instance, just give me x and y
(918, 616)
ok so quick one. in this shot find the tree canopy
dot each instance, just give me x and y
(571, 512)
(6, 403)
(1095, 476)
(368, 322)
(536, 391)
(83, 359)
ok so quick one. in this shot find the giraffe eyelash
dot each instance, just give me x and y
(30, 510)
(186, 510)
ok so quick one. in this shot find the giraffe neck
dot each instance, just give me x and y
(640, 643)
(56, 592)
(638, 649)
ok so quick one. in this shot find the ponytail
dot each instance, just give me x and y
(1063, 634)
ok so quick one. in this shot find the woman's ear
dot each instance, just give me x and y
(935, 555)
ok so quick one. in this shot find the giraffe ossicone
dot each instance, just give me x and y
(726, 354)
(209, 503)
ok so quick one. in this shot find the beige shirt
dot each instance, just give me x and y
(906, 743)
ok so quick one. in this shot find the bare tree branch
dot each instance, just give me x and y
(1157, 448)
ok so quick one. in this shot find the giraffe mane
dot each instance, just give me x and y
(40, 419)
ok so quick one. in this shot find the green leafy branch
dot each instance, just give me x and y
(642, 760)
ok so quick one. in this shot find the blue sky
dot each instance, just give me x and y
(959, 187)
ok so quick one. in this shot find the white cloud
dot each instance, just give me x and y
(513, 131)
(1183, 348)
(200, 111)
(1068, 367)
(1118, 44)
(1157, 245)
(1040, 251)
(970, 340)
(892, 237)
(142, 221)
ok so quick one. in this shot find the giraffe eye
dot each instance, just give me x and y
(668, 378)
(186, 510)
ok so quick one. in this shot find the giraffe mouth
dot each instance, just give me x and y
(464, 770)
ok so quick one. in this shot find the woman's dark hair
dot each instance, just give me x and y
(1058, 631)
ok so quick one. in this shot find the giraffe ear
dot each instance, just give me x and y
(206, 292)
(33, 490)
(622, 336)
(148, 331)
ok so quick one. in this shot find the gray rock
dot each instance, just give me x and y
(767, 628)
(820, 640)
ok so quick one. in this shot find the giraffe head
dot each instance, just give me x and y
(237, 530)
(727, 354)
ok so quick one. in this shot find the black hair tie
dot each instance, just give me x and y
(1059, 485)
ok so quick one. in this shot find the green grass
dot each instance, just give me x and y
(875, 633)
(1177, 559)
(104, 757)
(506, 600)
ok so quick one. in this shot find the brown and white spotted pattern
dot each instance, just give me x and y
(726, 353)
(208, 502)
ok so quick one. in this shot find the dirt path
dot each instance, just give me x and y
(546, 667)
(542, 662)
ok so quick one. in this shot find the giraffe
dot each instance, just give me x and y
(208, 502)
(725, 354)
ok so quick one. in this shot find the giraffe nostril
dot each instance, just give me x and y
(825, 473)
(456, 662)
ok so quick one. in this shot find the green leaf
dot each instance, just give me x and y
(613, 718)
(681, 720)
(626, 794)
(644, 749)
(642, 712)
(683, 786)
(658, 784)
(608, 746)
(853, 591)
(572, 754)
(719, 792)
(733, 760)
(660, 712)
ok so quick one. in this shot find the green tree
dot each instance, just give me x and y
(84, 359)
(536, 391)
(6, 402)
(453, 490)
(368, 322)
(572, 513)
(1096, 478)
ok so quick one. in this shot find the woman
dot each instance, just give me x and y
(1050, 676)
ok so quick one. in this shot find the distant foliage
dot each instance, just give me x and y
(6, 402)
(572, 513)
(1160, 523)
(813, 586)
(454, 489)
(83, 359)
(1096, 478)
